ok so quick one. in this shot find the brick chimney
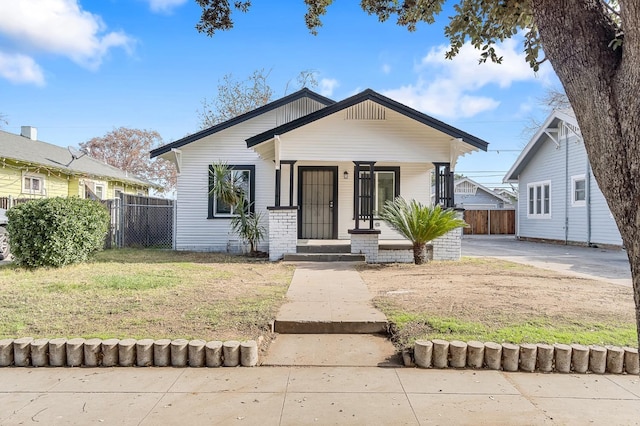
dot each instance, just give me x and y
(29, 132)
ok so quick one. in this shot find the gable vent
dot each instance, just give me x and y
(366, 111)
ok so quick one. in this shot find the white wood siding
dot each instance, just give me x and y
(558, 165)
(547, 165)
(394, 139)
(604, 229)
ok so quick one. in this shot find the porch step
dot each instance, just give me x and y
(324, 248)
(330, 327)
(324, 257)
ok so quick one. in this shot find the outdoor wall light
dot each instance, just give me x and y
(346, 174)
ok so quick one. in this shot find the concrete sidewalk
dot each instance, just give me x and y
(319, 396)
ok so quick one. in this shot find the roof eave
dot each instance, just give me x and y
(524, 157)
(304, 92)
(380, 99)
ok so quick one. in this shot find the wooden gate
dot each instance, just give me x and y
(490, 222)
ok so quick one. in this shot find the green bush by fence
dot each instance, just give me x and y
(56, 231)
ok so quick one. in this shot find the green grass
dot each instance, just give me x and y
(411, 327)
(144, 294)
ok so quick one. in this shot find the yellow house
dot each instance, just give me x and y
(30, 168)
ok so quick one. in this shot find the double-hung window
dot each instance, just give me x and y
(578, 190)
(386, 187)
(33, 184)
(244, 177)
(539, 200)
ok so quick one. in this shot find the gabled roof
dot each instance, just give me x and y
(379, 99)
(536, 141)
(483, 188)
(54, 157)
(302, 93)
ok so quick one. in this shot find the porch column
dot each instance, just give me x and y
(283, 231)
(278, 187)
(365, 241)
(449, 246)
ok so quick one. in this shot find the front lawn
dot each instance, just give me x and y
(144, 294)
(492, 300)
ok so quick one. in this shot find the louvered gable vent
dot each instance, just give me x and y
(366, 111)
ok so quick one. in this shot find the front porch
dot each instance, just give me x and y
(364, 245)
(388, 251)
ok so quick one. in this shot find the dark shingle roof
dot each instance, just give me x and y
(53, 157)
(239, 119)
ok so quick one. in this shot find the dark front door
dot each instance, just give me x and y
(318, 193)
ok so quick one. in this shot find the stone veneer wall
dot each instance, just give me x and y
(283, 231)
(449, 246)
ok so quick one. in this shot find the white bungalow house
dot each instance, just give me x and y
(559, 198)
(317, 169)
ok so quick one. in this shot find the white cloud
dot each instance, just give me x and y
(165, 6)
(20, 69)
(386, 68)
(60, 27)
(327, 86)
(448, 88)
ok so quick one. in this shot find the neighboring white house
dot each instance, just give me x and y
(471, 195)
(327, 166)
(559, 197)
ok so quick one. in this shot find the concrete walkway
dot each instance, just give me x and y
(329, 320)
(318, 396)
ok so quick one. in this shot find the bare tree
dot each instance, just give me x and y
(128, 150)
(3, 120)
(236, 97)
(554, 98)
(594, 47)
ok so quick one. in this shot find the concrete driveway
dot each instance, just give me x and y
(596, 263)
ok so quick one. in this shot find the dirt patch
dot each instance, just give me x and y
(491, 294)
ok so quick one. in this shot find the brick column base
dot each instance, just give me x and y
(365, 241)
(283, 231)
(449, 246)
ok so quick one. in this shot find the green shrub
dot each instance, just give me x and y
(56, 231)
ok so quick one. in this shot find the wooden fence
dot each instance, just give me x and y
(8, 202)
(490, 222)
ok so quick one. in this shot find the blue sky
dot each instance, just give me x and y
(76, 69)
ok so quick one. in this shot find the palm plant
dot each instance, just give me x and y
(229, 189)
(419, 223)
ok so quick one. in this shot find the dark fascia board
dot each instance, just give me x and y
(302, 93)
(380, 99)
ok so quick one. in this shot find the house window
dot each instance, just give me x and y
(578, 190)
(117, 191)
(539, 202)
(33, 184)
(99, 191)
(244, 175)
(386, 187)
